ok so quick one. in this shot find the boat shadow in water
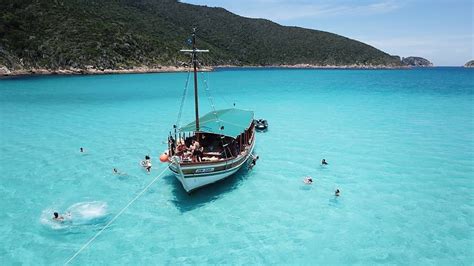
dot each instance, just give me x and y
(200, 197)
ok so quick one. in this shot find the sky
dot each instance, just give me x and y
(438, 30)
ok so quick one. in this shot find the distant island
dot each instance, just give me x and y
(416, 61)
(469, 64)
(126, 36)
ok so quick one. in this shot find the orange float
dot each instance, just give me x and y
(164, 157)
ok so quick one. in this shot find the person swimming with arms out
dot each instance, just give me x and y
(324, 162)
(61, 218)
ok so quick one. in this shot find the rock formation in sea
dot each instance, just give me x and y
(416, 61)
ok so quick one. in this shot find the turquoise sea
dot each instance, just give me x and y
(400, 147)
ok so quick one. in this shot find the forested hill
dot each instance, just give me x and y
(115, 34)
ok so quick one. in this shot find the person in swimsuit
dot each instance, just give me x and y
(323, 162)
(308, 180)
(337, 192)
(147, 163)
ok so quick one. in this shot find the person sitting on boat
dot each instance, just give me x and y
(180, 148)
(308, 180)
(197, 151)
(323, 162)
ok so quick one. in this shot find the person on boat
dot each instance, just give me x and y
(337, 192)
(181, 147)
(196, 151)
(308, 180)
(323, 162)
(58, 217)
(172, 143)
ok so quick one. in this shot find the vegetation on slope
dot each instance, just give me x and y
(416, 61)
(116, 34)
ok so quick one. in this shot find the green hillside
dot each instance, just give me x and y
(124, 33)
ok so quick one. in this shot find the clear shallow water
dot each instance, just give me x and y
(399, 143)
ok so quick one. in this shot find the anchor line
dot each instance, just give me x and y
(113, 219)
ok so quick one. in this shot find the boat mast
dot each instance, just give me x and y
(196, 98)
(194, 52)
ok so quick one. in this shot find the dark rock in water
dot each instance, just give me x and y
(469, 64)
(416, 61)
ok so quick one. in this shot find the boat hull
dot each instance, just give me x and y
(192, 183)
(195, 176)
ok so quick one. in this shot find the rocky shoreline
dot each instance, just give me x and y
(309, 66)
(5, 72)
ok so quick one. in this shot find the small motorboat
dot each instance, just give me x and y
(261, 125)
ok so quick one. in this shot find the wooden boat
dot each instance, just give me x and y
(226, 139)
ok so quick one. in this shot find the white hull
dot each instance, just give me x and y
(194, 181)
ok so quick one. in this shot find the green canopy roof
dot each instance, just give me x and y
(228, 122)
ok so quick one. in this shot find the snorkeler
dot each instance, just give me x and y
(116, 171)
(337, 192)
(323, 162)
(308, 180)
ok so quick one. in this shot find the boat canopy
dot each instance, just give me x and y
(227, 122)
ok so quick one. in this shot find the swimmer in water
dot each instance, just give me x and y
(147, 163)
(308, 180)
(323, 162)
(58, 217)
(115, 171)
(337, 192)
(253, 162)
(81, 149)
